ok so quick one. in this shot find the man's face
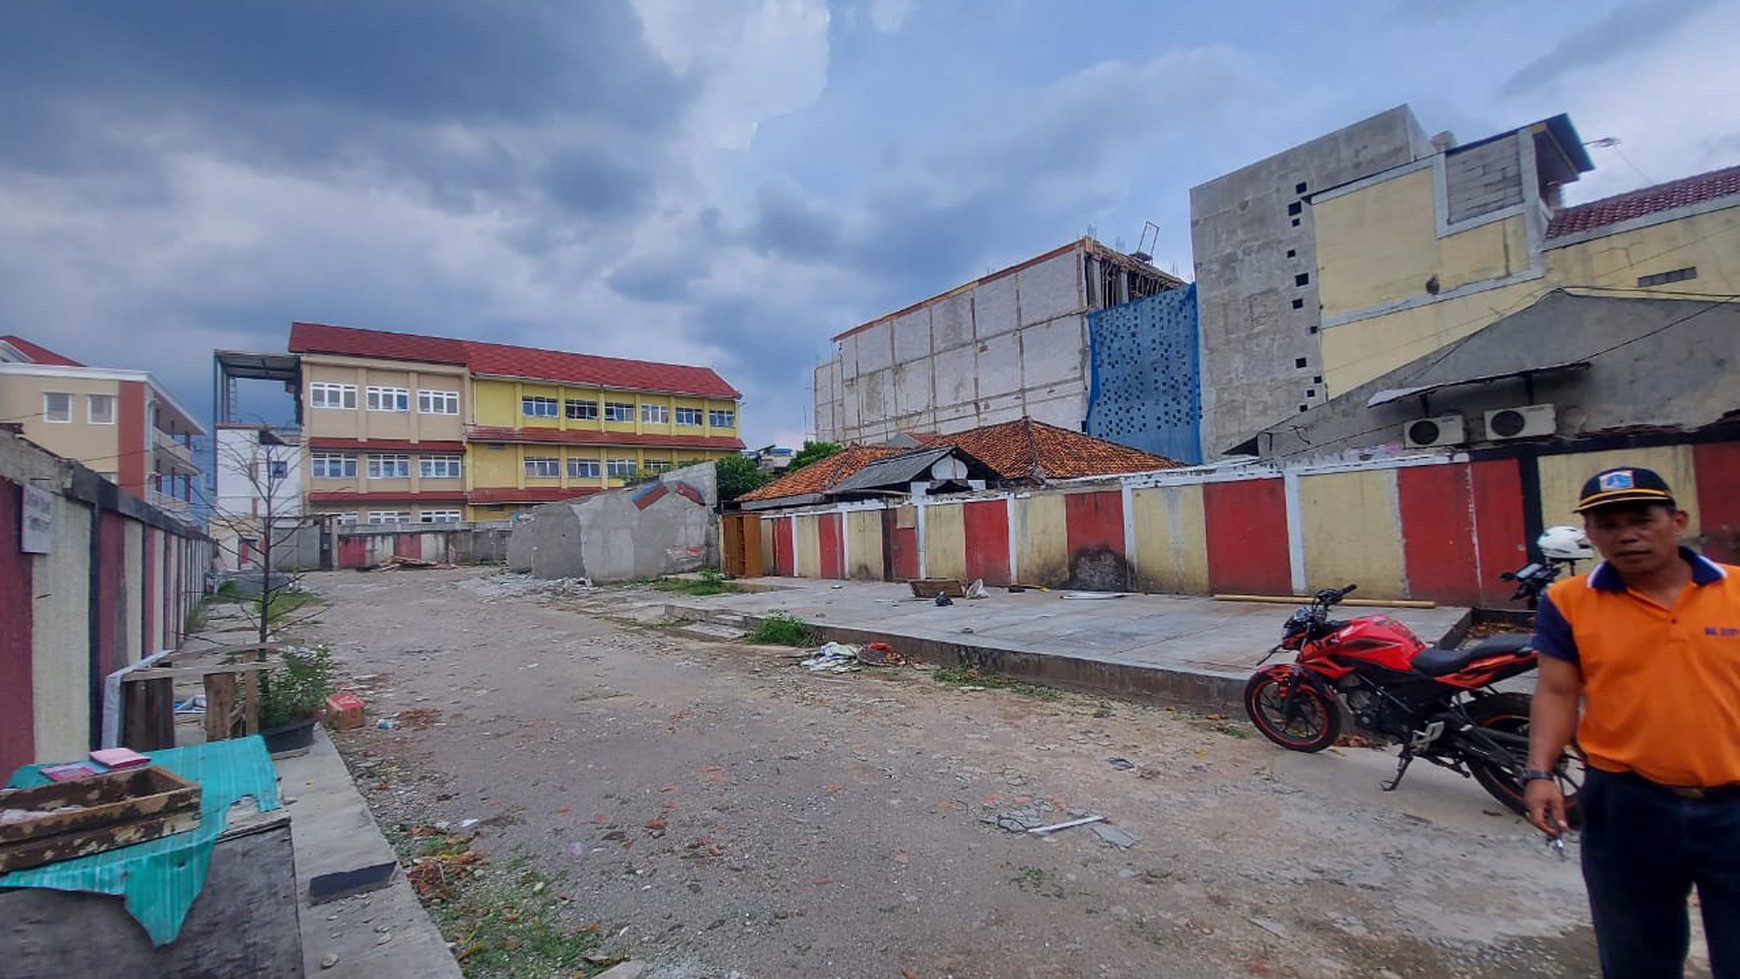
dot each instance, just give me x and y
(1636, 538)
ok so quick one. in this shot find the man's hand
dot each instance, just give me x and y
(1546, 804)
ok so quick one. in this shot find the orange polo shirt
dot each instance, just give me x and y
(1661, 686)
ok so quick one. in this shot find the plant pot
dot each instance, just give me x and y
(294, 736)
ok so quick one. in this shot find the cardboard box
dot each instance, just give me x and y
(344, 711)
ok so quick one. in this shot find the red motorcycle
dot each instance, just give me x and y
(1437, 703)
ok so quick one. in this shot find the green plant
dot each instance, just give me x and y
(295, 689)
(969, 677)
(811, 452)
(782, 629)
(711, 581)
(738, 475)
(285, 602)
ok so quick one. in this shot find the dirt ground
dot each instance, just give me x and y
(712, 810)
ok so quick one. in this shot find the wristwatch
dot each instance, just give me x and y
(1533, 774)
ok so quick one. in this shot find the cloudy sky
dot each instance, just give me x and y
(722, 182)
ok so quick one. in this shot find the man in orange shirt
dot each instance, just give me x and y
(1648, 645)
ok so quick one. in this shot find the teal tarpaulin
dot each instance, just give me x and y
(162, 878)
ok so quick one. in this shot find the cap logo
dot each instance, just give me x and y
(1619, 479)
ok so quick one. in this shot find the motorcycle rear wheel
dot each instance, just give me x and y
(1316, 723)
(1509, 713)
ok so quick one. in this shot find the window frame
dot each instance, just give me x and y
(730, 415)
(429, 398)
(528, 401)
(48, 415)
(574, 409)
(379, 393)
(376, 470)
(575, 464)
(614, 468)
(91, 408)
(424, 515)
(528, 463)
(428, 467)
(698, 414)
(320, 395)
(372, 522)
(619, 411)
(650, 409)
(320, 465)
(346, 518)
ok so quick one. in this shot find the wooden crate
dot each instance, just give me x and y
(103, 812)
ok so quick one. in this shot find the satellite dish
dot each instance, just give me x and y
(948, 467)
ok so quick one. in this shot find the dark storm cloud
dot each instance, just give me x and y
(1628, 26)
(789, 225)
(589, 182)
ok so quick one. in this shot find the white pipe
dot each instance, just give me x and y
(112, 698)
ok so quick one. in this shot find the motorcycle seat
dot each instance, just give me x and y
(1441, 662)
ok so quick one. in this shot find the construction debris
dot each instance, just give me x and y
(399, 562)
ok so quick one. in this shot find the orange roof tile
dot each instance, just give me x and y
(823, 473)
(1684, 192)
(1026, 449)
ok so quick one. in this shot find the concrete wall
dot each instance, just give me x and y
(1440, 528)
(1258, 321)
(624, 535)
(362, 547)
(116, 585)
(1146, 379)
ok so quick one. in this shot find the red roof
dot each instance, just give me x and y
(823, 473)
(507, 361)
(1650, 200)
(541, 494)
(572, 436)
(39, 354)
(384, 445)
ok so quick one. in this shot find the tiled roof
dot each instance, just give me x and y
(1650, 200)
(506, 361)
(538, 494)
(823, 473)
(1026, 449)
(384, 445)
(573, 436)
(39, 354)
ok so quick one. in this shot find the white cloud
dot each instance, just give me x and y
(888, 15)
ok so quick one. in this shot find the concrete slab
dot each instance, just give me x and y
(1176, 649)
(383, 934)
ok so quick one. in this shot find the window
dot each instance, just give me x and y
(582, 468)
(1298, 188)
(1295, 222)
(100, 409)
(1292, 253)
(322, 395)
(56, 407)
(279, 469)
(346, 519)
(1300, 361)
(1298, 304)
(333, 465)
(689, 416)
(1294, 208)
(539, 407)
(1302, 279)
(439, 467)
(721, 418)
(1663, 278)
(389, 466)
(658, 465)
(438, 402)
(655, 414)
(619, 468)
(618, 411)
(543, 467)
(389, 516)
(438, 516)
(389, 399)
(583, 411)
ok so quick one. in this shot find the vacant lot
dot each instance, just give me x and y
(713, 810)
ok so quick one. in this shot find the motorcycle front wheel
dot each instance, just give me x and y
(1508, 713)
(1296, 716)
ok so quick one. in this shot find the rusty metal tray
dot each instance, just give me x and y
(103, 803)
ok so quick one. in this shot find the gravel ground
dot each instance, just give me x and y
(711, 810)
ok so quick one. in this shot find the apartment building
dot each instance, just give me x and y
(399, 428)
(121, 423)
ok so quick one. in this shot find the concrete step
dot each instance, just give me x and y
(708, 631)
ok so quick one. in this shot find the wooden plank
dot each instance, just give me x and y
(220, 705)
(66, 846)
(183, 672)
(96, 801)
(250, 703)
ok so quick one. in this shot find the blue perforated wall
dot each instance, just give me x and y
(1147, 389)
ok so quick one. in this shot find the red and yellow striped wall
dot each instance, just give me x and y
(1442, 529)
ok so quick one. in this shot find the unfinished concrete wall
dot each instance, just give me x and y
(656, 528)
(1256, 267)
(365, 546)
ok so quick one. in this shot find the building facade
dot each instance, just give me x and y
(1014, 344)
(121, 423)
(409, 429)
(258, 503)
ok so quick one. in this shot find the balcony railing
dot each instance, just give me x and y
(172, 454)
(168, 504)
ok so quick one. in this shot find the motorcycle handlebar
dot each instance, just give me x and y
(1348, 589)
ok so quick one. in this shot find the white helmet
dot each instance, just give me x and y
(1565, 544)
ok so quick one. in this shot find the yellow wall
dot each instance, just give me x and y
(945, 541)
(1171, 539)
(809, 548)
(359, 422)
(495, 403)
(97, 446)
(1562, 478)
(1042, 540)
(1349, 529)
(1379, 245)
(864, 545)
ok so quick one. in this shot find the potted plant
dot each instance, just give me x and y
(291, 696)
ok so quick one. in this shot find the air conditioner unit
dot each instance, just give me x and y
(1429, 432)
(1528, 421)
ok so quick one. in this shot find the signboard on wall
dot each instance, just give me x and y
(37, 536)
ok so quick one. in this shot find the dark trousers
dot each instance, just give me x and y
(1644, 849)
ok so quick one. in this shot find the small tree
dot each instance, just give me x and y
(738, 475)
(812, 452)
(274, 521)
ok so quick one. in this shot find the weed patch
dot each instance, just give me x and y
(711, 582)
(957, 677)
(782, 629)
(286, 602)
(1038, 880)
